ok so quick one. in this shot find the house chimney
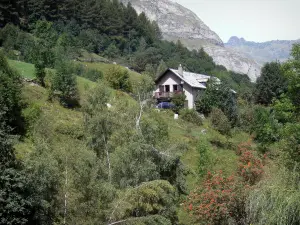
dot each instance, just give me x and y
(180, 70)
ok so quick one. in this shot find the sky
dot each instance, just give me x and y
(254, 20)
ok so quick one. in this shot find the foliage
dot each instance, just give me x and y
(218, 201)
(191, 115)
(265, 126)
(118, 78)
(291, 145)
(40, 73)
(161, 68)
(64, 85)
(271, 84)
(218, 95)
(150, 198)
(178, 100)
(284, 109)
(15, 207)
(250, 166)
(205, 158)
(275, 200)
(246, 117)
(220, 122)
(154, 129)
(291, 70)
(10, 91)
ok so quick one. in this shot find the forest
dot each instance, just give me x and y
(82, 143)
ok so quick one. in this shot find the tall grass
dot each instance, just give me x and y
(276, 200)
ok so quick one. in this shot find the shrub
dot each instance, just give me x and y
(204, 162)
(93, 75)
(64, 85)
(191, 115)
(246, 118)
(220, 122)
(40, 73)
(118, 78)
(219, 200)
(265, 126)
(178, 101)
(219, 140)
(10, 95)
(31, 114)
(250, 166)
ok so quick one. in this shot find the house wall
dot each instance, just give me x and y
(168, 79)
(188, 90)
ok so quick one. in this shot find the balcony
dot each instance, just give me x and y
(166, 95)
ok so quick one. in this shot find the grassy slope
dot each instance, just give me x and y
(68, 123)
(25, 69)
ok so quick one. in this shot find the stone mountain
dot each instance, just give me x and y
(179, 23)
(262, 52)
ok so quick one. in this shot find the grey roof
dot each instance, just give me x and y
(195, 80)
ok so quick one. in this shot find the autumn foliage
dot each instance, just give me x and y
(216, 201)
(221, 199)
(250, 166)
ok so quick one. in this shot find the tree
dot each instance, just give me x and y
(218, 95)
(161, 68)
(271, 84)
(292, 73)
(10, 95)
(220, 122)
(64, 85)
(178, 100)
(40, 73)
(118, 78)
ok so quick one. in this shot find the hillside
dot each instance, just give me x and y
(262, 52)
(65, 128)
(179, 23)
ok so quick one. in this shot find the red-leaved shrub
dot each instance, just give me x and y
(217, 200)
(250, 166)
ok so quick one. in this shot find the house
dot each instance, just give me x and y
(178, 81)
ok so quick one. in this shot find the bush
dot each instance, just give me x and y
(219, 140)
(118, 79)
(220, 122)
(191, 115)
(265, 126)
(64, 85)
(218, 201)
(250, 166)
(246, 118)
(204, 149)
(40, 73)
(93, 75)
(31, 114)
(178, 101)
(10, 95)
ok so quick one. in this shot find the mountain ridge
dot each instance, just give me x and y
(179, 23)
(262, 52)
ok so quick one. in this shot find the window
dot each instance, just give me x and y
(175, 87)
(167, 88)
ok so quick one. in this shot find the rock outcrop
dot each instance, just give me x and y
(179, 23)
(264, 51)
(175, 20)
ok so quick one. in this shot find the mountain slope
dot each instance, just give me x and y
(180, 23)
(175, 20)
(262, 52)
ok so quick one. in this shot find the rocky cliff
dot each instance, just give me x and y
(262, 52)
(175, 20)
(180, 23)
